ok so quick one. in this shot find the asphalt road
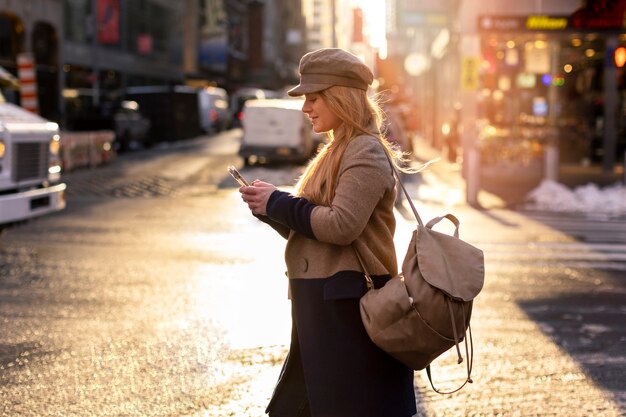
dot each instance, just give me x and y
(155, 293)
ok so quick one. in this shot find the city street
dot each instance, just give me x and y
(156, 293)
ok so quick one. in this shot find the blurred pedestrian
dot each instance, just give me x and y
(394, 130)
(452, 139)
(343, 202)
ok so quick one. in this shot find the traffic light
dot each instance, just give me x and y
(619, 56)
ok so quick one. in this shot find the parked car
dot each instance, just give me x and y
(276, 130)
(214, 109)
(130, 126)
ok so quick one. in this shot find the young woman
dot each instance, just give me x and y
(343, 202)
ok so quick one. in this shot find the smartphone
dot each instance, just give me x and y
(237, 176)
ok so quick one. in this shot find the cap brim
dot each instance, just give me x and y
(302, 89)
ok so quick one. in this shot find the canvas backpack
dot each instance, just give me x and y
(426, 309)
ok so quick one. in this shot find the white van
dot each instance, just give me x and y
(276, 130)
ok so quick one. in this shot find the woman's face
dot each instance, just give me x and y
(321, 116)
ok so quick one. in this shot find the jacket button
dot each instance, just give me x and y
(304, 264)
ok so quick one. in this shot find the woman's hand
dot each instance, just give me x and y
(256, 196)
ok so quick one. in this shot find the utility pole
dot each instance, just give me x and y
(93, 30)
(333, 11)
(610, 105)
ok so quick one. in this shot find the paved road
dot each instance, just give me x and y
(157, 294)
(549, 326)
(588, 228)
(133, 303)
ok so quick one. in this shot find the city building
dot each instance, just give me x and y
(536, 89)
(35, 27)
(88, 52)
(419, 44)
(321, 25)
(264, 43)
(546, 85)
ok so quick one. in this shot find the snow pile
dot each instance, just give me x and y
(552, 196)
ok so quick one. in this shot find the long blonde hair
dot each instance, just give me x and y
(360, 115)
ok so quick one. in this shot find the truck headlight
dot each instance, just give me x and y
(54, 164)
(55, 145)
(2, 149)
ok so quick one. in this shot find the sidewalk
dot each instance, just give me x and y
(534, 353)
(448, 174)
(506, 194)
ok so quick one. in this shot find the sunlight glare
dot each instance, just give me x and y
(374, 24)
(241, 286)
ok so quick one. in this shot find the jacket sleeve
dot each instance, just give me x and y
(365, 176)
(280, 228)
(291, 212)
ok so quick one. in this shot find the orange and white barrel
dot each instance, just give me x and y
(27, 75)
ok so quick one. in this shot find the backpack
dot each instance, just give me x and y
(426, 309)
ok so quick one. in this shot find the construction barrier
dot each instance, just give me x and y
(86, 149)
(27, 75)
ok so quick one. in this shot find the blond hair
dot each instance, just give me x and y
(359, 115)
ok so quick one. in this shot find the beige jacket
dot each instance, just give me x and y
(361, 212)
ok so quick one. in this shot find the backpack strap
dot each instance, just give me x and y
(448, 216)
(469, 353)
(406, 193)
(368, 278)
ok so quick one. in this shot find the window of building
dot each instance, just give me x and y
(45, 44)
(11, 38)
(78, 23)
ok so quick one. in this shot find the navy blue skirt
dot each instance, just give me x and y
(333, 369)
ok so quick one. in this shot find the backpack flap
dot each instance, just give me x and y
(450, 264)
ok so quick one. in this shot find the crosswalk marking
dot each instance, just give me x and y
(590, 229)
(574, 254)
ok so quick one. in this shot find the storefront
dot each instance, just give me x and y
(33, 27)
(550, 81)
(122, 44)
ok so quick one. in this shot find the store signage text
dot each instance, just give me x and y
(546, 23)
(600, 15)
(522, 23)
(424, 19)
(469, 73)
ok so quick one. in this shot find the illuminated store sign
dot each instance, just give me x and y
(522, 23)
(546, 23)
(599, 15)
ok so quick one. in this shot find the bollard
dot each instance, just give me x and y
(551, 162)
(473, 176)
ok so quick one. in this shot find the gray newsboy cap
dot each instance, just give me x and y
(326, 67)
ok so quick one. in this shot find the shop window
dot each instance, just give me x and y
(45, 44)
(155, 31)
(11, 38)
(78, 24)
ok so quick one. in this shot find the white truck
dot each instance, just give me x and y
(276, 130)
(30, 167)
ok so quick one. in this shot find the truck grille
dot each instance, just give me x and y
(30, 161)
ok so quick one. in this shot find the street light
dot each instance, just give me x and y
(416, 64)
